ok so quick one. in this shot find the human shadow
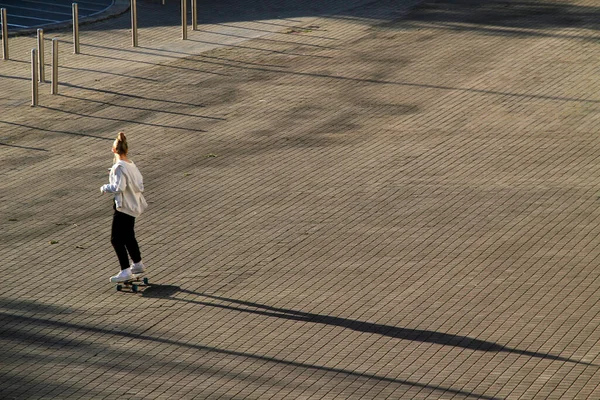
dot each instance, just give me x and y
(22, 329)
(417, 335)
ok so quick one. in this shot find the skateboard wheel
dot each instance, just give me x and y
(134, 288)
(145, 280)
(119, 288)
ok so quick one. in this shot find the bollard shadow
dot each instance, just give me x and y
(270, 51)
(247, 28)
(21, 78)
(142, 108)
(129, 121)
(23, 147)
(176, 67)
(155, 52)
(131, 96)
(279, 71)
(54, 130)
(109, 73)
(269, 40)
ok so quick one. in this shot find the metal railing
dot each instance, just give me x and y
(134, 30)
(37, 54)
(184, 19)
(54, 88)
(40, 52)
(34, 78)
(4, 23)
(75, 8)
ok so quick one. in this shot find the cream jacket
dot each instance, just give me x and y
(127, 184)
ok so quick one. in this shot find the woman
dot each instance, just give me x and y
(127, 184)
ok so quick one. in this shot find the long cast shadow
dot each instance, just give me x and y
(386, 82)
(54, 130)
(238, 46)
(108, 73)
(9, 320)
(23, 147)
(177, 67)
(123, 120)
(129, 95)
(142, 108)
(157, 53)
(15, 77)
(419, 335)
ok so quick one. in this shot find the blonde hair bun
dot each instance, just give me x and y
(121, 144)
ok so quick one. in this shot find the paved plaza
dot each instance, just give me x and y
(360, 199)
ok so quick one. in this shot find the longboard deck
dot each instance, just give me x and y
(134, 283)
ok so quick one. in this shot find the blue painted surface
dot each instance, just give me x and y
(38, 13)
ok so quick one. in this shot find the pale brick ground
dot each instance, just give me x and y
(344, 204)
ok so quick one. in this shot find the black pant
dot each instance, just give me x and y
(123, 239)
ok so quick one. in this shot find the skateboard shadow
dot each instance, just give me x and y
(157, 291)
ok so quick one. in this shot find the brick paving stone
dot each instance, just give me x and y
(365, 199)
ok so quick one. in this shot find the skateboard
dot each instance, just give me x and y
(134, 283)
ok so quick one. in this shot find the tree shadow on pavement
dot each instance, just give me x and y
(527, 15)
(501, 17)
(418, 335)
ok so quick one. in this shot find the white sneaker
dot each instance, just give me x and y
(122, 276)
(138, 268)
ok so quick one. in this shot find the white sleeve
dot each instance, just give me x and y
(118, 181)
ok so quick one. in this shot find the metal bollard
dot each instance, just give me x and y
(134, 30)
(40, 51)
(75, 28)
(194, 15)
(184, 19)
(34, 78)
(54, 89)
(4, 23)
